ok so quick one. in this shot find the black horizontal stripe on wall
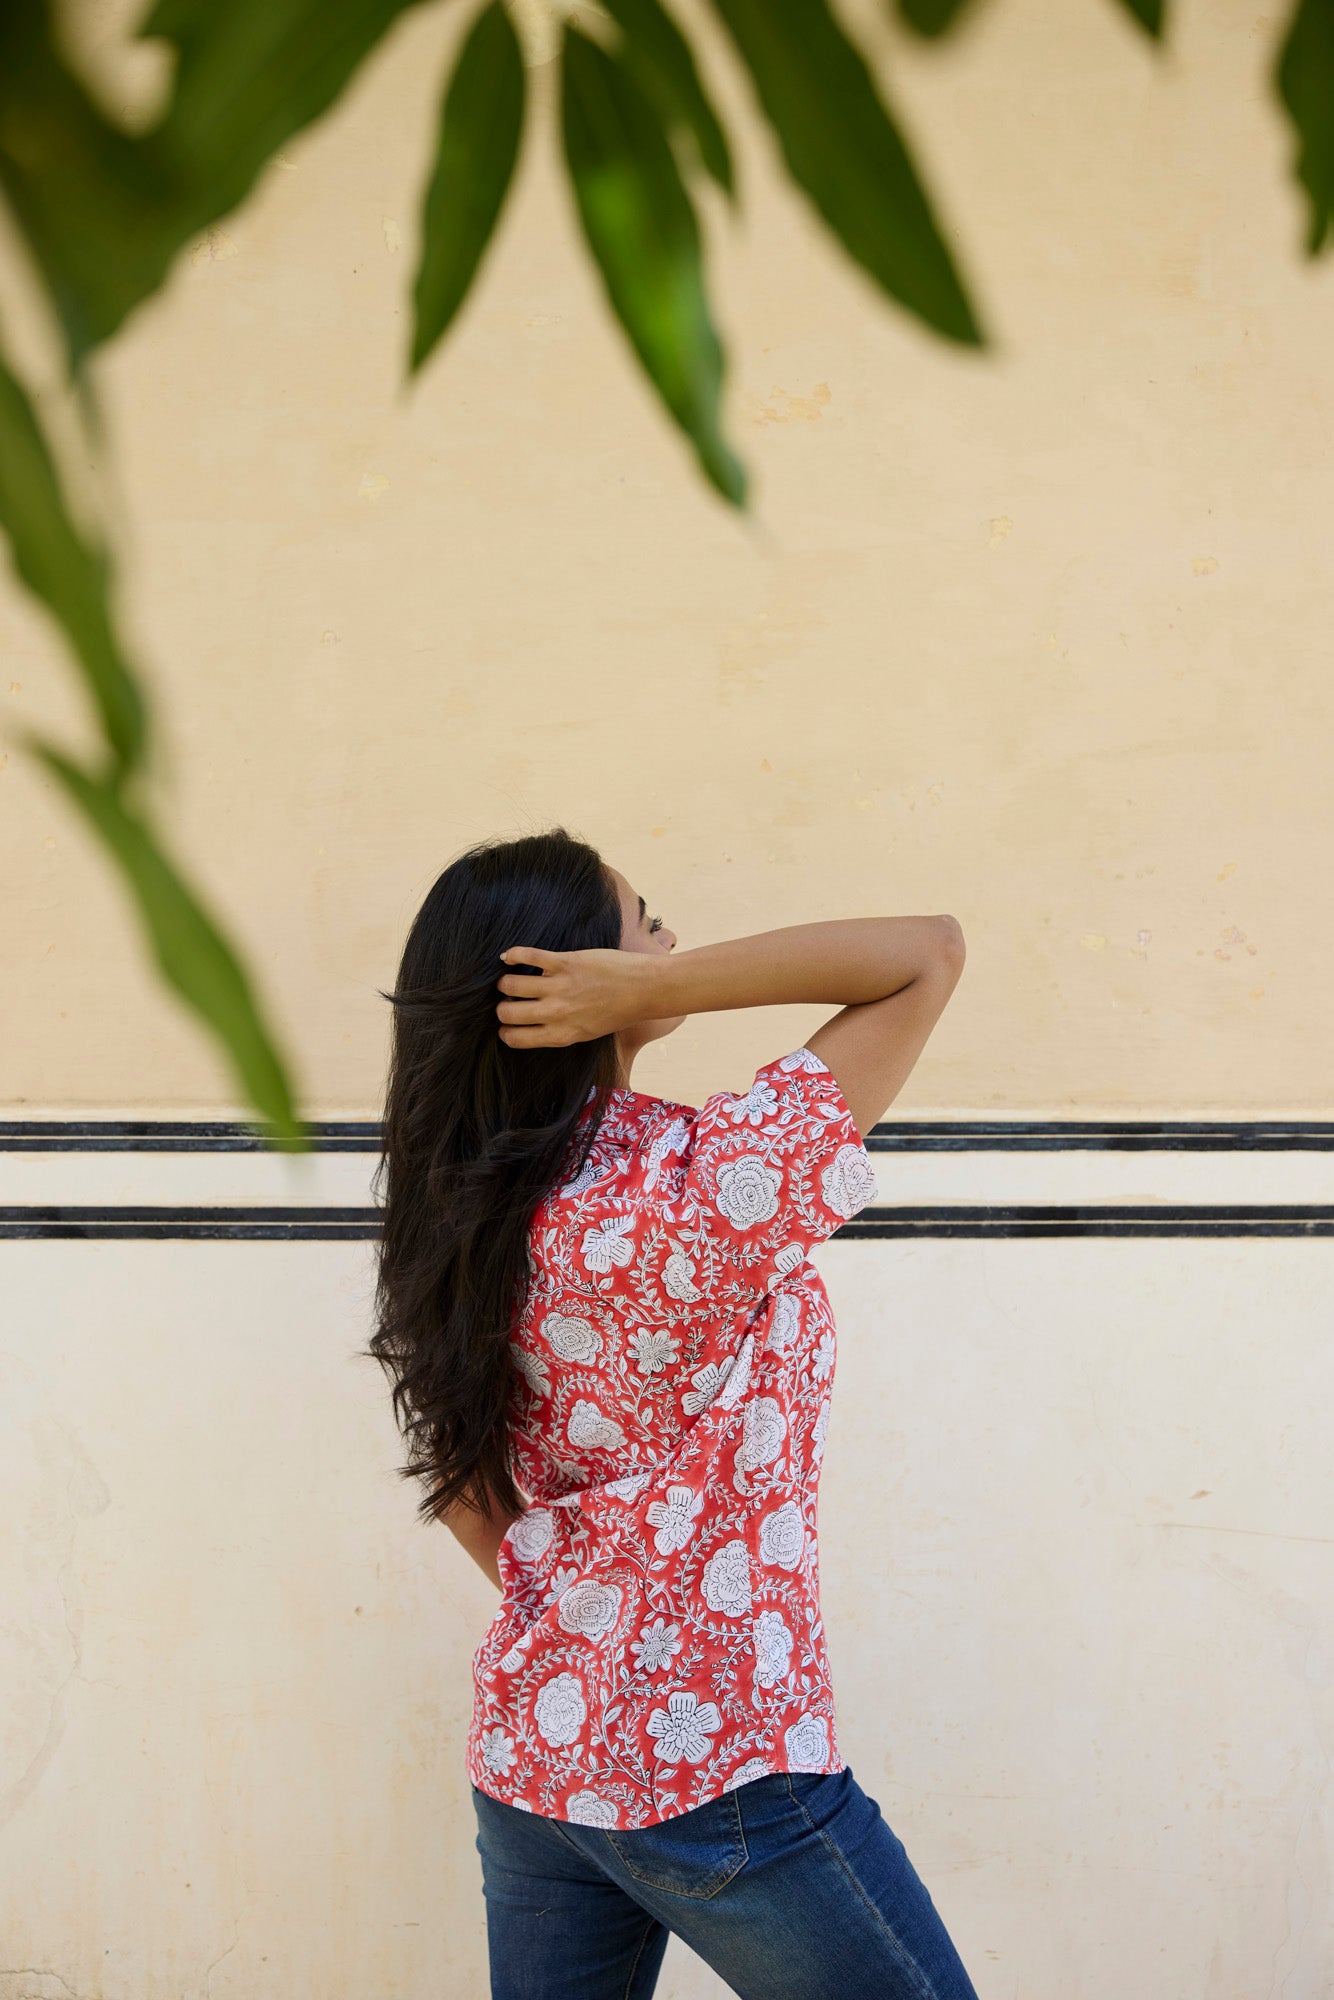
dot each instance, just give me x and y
(1278, 1218)
(176, 1135)
(235, 1221)
(992, 1135)
(297, 1224)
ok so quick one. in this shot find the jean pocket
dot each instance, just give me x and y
(695, 1854)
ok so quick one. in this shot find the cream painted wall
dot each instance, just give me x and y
(1039, 638)
(1075, 1574)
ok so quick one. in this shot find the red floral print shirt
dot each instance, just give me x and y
(659, 1638)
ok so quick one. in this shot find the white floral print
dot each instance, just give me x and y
(630, 1487)
(498, 1751)
(572, 1337)
(591, 1170)
(674, 1518)
(589, 1607)
(785, 1320)
(657, 1646)
(659, 1639)
(509, 1663)
(760, 1102)
(707, 1381)
(748, 1190)
(683, 1731)
(530, 1536)
(804, 1059)
(763, 1430)
(560, 1710)
(773, 1649)
(678, 1278)
(726, 1580)
(848, 1182)
(782, 1536)
(652, 1350)
(532, 1368)
(592, 1431)
(738, 1375)
(591, 1809)
(807, 1743)
(745, 1774)
(609, 1243)
(674, 1140)
(561, 1579)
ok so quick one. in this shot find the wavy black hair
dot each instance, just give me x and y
(474, 1134)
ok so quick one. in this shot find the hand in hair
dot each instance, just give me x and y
(574, 996)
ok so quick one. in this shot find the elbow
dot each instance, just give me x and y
(951, 939)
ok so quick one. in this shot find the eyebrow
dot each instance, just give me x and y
(643, 909)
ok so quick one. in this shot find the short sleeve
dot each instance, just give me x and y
(767, 1174)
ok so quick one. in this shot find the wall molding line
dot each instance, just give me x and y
(238, 1222)
(352, 1135)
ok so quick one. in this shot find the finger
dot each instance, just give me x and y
(530, 954)
(526, 1038)
(520, 1013)
(523, 985)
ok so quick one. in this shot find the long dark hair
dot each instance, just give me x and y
(474, 1134)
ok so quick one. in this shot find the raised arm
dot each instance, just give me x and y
(892, 976)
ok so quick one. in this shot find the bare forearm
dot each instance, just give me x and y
(846, 961)
(554, 998)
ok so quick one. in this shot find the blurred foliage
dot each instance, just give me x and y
(104, 211)
(641, 228)
(481, 123)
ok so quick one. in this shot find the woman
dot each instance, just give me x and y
(612, 1359)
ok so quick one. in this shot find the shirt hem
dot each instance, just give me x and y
(778, 1768)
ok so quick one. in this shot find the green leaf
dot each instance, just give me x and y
(1304, 78)
(480, 124)
(250, 74)
(71, 578)
(642, 231)
(931, 17)
(843, 149)
(660, 56)
(1149, 14)
(192, 954)
(105, 212)
(100, 211)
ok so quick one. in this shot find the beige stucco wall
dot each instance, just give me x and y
(1040, 638)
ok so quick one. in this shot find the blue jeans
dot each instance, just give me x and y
(791, 1887)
